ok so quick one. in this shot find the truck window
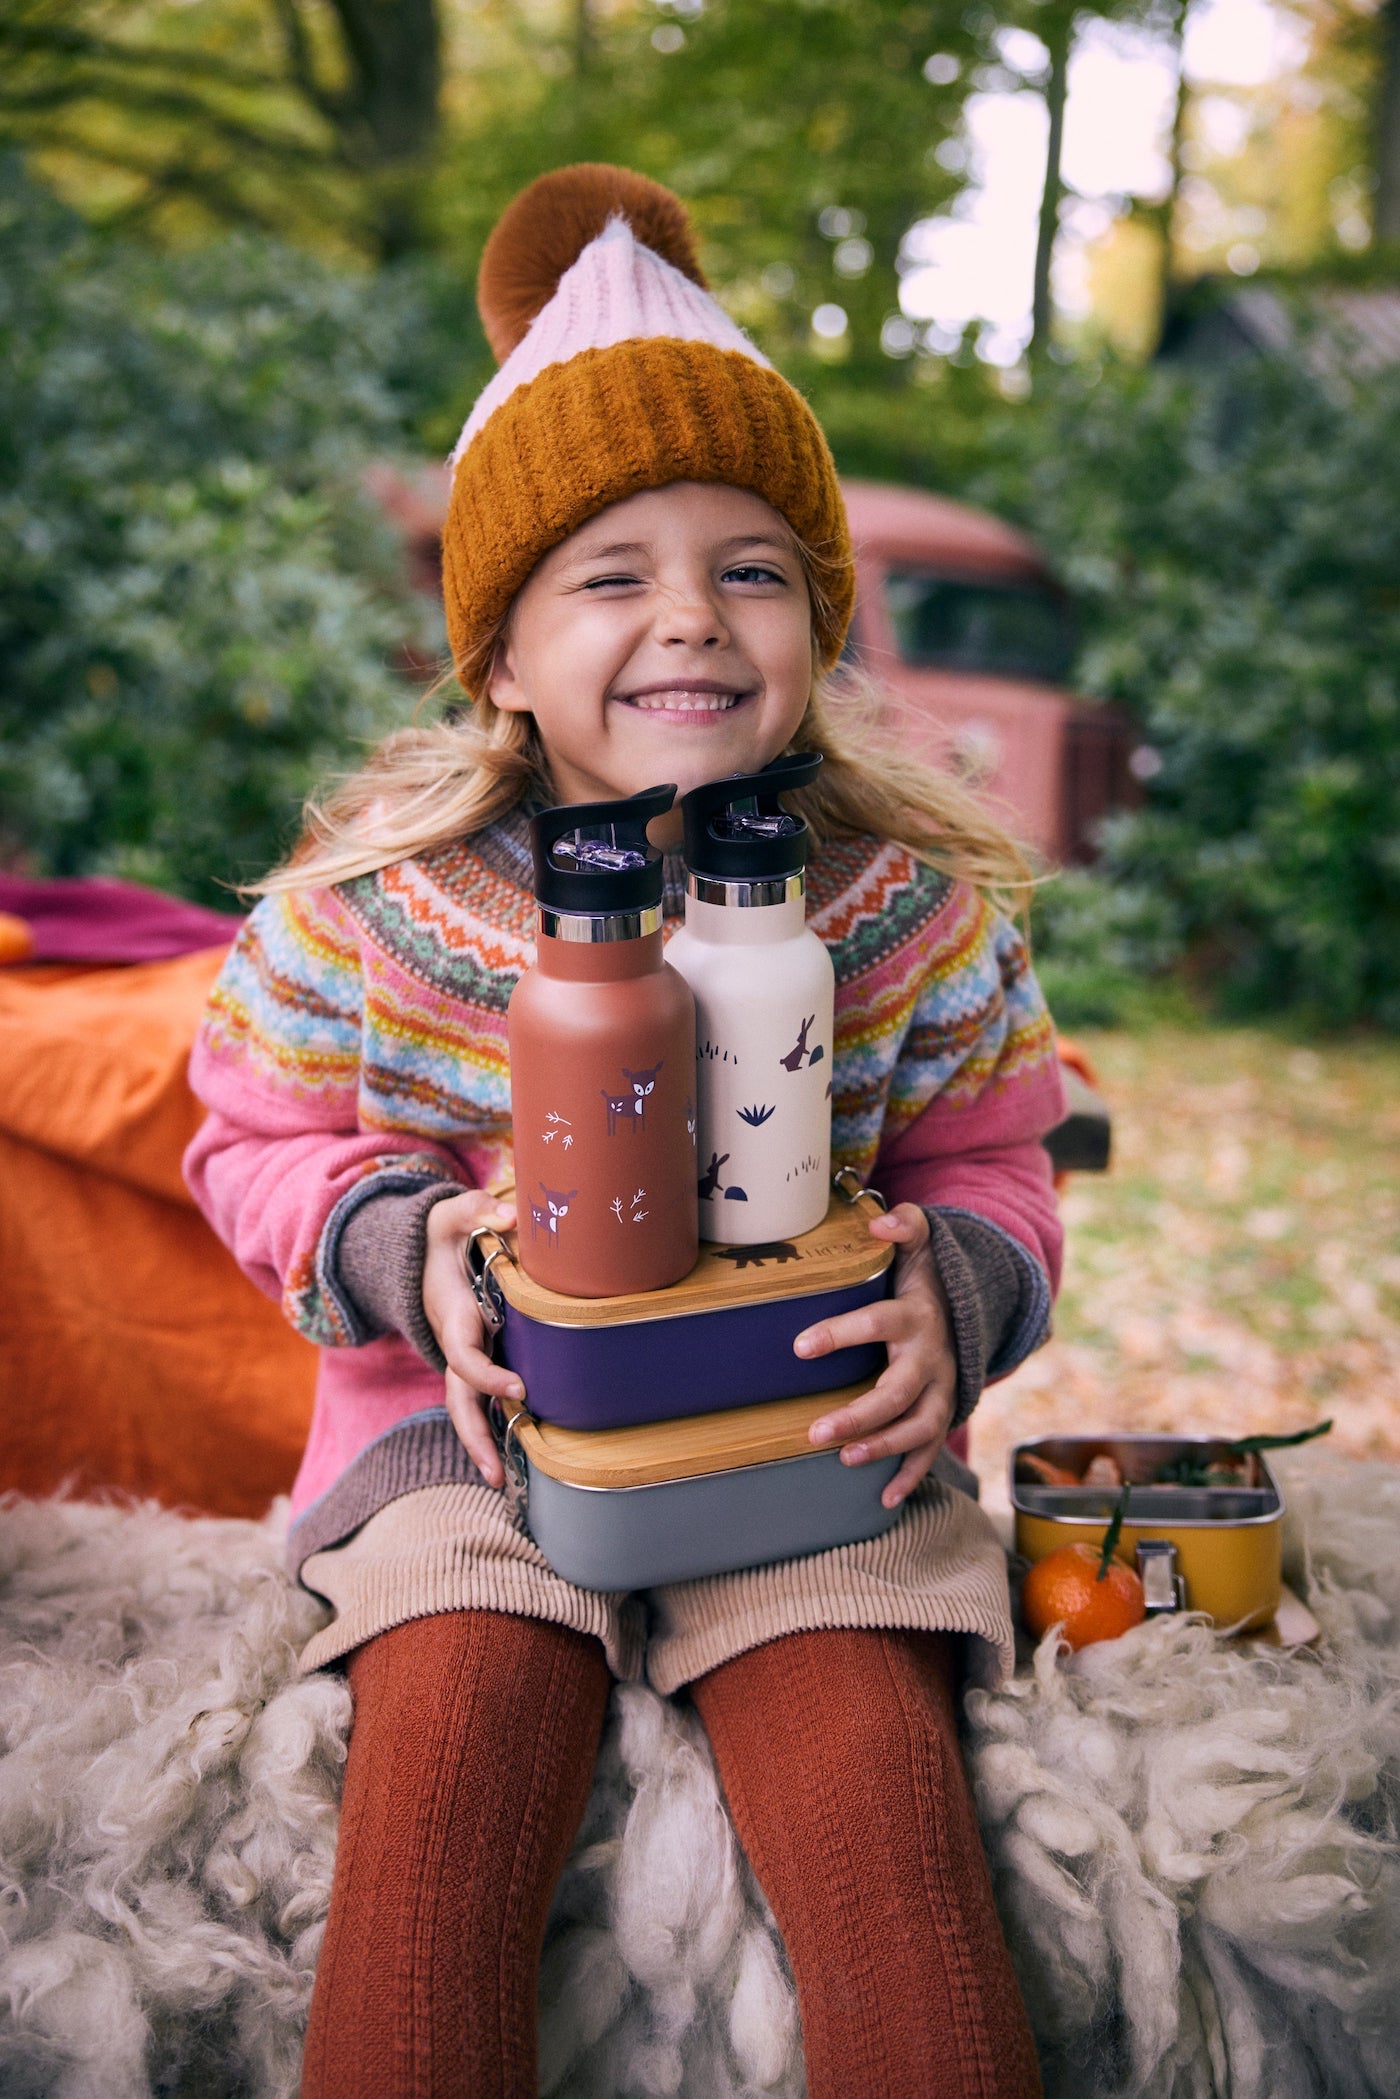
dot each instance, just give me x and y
(1012, 630)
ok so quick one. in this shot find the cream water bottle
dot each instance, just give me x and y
(602, 1062)
(764, 997)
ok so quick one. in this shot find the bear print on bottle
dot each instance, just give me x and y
(764, 996)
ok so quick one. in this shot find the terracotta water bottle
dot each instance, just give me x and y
(602, 1062)
(764, 997)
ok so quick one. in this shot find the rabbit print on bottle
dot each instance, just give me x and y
(764, 997)
(708, 1187)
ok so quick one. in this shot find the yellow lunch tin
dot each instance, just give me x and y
(1217, 1549)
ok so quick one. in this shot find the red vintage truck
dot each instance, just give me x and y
(960, 619)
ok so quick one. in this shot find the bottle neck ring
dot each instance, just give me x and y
(746, 896)
(584, 929)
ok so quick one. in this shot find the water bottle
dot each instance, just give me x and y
(764, 998)
(602, 1062)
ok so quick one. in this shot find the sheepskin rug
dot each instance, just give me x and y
(1195, 1844)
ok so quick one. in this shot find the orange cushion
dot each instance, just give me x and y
(16, 940)
(133, 1352)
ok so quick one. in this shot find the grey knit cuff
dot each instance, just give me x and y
(372, 1255)
(998, 1297)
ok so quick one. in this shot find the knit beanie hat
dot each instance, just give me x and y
(618, 372)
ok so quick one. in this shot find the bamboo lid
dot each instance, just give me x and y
(683, 1449)
(834, 1255)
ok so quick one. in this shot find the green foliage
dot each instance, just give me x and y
(802, 135)
(1235, 543)
(1099, 944)
(198, 605)
(313, 118)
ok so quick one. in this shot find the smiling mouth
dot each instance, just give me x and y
(683, 699)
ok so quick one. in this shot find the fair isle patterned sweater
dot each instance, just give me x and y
(355, 1049)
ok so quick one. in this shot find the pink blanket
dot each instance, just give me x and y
(95, 920)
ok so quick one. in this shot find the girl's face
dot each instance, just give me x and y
(669, 638)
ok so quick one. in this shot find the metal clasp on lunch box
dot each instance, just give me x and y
(485, 1289)
(1163, 1589)
(504, 1426)
(846, 1182)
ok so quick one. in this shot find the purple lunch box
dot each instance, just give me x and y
(721, 1337)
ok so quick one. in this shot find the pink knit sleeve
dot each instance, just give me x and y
(281, 1161)
(1011, 1185)
(977, 1146)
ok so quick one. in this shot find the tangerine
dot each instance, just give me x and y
(1064, 1589)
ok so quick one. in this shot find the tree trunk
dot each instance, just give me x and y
(388, 114)
(1169, 205)
(1059, 34)
(1387, 220)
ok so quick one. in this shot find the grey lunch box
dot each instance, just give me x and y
(670, 1501)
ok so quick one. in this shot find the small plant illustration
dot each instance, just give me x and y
(755, 1117)
(616, 1207)
(811, 1164)
(561, 1123)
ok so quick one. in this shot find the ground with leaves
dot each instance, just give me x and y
(1238, 1270)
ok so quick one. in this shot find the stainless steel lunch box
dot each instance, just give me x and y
(721, 1337)
(629, 1508)
(1224, 1545)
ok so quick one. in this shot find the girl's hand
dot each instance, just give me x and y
(911, 1406)
(455, 1318)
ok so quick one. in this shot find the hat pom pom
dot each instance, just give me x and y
(544, 231)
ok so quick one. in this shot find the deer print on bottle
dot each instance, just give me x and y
(631, 1108)
(643, 1085)
(708, 1186)
(545, 1216)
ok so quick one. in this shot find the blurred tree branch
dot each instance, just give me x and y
(1057, 24)
(1387, 211)
(1056, 29)
(348, 92)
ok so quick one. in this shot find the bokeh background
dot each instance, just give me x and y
(1128, 275)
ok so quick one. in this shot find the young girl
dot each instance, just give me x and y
(647, 577)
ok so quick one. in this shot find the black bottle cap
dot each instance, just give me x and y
(737, 830)
(596, 858)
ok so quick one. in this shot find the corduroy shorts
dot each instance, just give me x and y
(940, 1568)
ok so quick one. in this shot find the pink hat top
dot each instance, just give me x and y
(617, 291)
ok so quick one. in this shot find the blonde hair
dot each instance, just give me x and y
(425, 786)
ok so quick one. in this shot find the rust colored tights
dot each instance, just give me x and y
(471, 1762)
